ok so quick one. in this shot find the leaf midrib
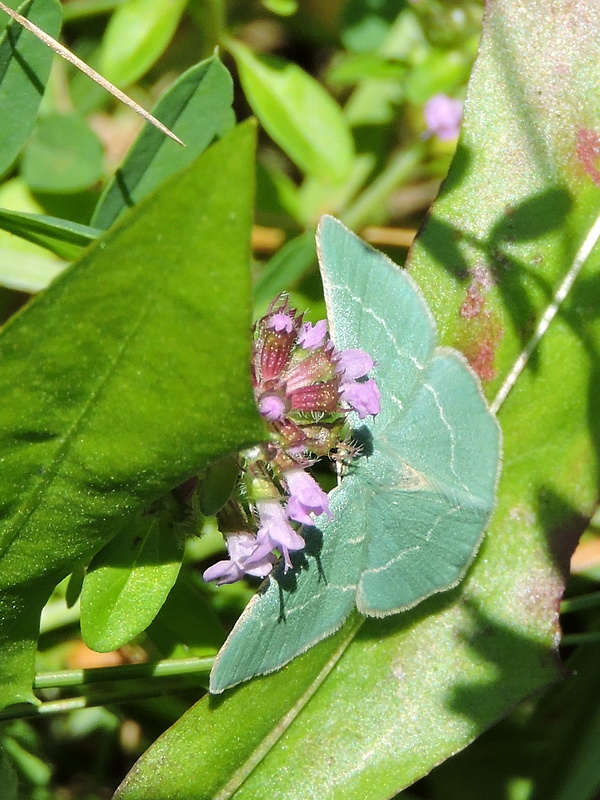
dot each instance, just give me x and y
(271, 739)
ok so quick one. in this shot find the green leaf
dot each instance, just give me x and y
(284, 8)
(24, 69)
(204, 734)
(129, 580)
(121, 381)
(440, 71)
(60, 236)
(568, 768)
(365, 26)
(217, 485)
(197, 107)
(137, 35)
(409, 516)
(408, 691)
(27, 272)
(63, 156)
(8, 776)
(297, 113)
(24, 265)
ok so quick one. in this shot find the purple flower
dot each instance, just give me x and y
(306, 496)
(354, 364)
(275, 532)
(281, 322)
(365, 398)
(443, 116)
(241, 547)
(297, 375)
(272, 407)
(312, 336)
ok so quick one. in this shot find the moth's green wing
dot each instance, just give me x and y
(374, 305)
(432, 479)
(297, 610)
(432, 453)
(409, 517)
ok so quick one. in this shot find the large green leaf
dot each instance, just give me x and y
(127, 376)
(408, 691)
(197, 107)
(24, 69)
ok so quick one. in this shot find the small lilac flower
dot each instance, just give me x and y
(275, 532)
(241, 547)
(365, 398)
(354, 364)
(306, 496)
(443, 116)
(312, 336)
(272, 407)
(281, 322)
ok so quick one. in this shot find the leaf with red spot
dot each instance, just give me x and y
(370, 710)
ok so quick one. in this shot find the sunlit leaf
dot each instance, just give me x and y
(129, 580)
(126, 377)
(197, 107)
(297, 113)
(398, 696)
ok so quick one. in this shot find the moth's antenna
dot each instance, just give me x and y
(563, 290)
(62, 51)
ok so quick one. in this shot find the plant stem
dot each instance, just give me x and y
(590, 600)
(106, 697)
(399, 170)
(158, 669)
(580, 638)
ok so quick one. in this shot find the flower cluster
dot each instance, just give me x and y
(304, 389)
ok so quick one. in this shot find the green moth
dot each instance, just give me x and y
(409, 515)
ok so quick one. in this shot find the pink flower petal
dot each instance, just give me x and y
(271, 407)
(354, 364)
(280, 322)
(312, 336)
(306, 496)
(364, 398)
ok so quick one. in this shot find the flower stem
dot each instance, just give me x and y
(399, 170)
(158, 669)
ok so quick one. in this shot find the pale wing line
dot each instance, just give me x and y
(384, 324)
(563, 290)
(317, 596)
(440, 519)
(451, 432)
